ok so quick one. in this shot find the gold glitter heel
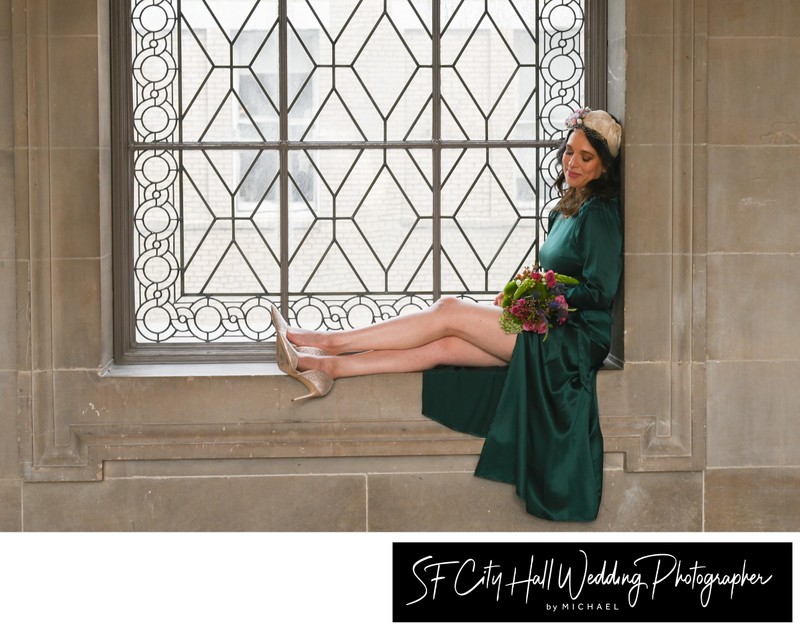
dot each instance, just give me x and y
(317, 382)
(280, 329)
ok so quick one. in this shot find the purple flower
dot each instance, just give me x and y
(576, 117)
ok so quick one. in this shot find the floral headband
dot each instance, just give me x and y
(598, 124)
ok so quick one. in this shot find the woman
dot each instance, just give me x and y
(534, 400)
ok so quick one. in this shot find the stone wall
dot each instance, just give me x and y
(700, 425)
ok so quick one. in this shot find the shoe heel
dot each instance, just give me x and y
(318, 384)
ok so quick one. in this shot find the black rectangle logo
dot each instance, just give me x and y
(605, 582)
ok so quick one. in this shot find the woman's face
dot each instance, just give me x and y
(580, 161)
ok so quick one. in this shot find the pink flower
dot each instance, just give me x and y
(550, 278)
(536, 276)
(541, 328)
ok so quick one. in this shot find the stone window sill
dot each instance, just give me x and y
(266, 368)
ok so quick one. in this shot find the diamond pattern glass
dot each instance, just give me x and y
(347, 160)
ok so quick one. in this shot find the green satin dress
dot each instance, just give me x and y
(539, 415)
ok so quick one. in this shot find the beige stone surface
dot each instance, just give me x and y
(648, 302)
(753, 413)
(76, 313)
(76, 17)
(753, 197)
(289, 466)
(649, 65)
(7, 231)
(40, 314)
(639, 389)
(757, 70)
(6, 96)
(746, 319)
(75, 204)
(752, 500)
(463, 502)
(649, 17)
(648, 216)
(745, 18)
(228, 504)
(8, 315)
(10, 506)
(9, 468)
(5, 18)
(74, 67)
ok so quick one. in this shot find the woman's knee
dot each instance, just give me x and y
(447, 304)
(447, 311)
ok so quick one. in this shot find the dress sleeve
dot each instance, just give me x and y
(599, 241)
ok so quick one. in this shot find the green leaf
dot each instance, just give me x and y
(525, 287)
(508, 293)
(560, 277)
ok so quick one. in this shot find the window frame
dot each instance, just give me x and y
(126, 349)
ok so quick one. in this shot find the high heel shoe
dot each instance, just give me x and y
(317, 382)
(280, 329)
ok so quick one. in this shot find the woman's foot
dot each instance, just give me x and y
(317, 383)
(282, 328)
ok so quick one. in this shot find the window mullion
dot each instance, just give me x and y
(283, 152)
(436, 158)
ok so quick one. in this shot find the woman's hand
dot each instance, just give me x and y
(498, 301)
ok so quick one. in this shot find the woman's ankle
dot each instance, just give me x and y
(311, 338)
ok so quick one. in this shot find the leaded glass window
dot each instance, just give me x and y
(346, 160)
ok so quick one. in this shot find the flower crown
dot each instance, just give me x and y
(598, 124)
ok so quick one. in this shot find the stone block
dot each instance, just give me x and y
(74, 92)
(648, 17)
(638, 390)
(9, 457)
(752, 413)
(649, 67)
(10, 506)
(744, 18)
(75, 205)
(757, 70)
(752, 198)
(227, 504)
(6, 95)
(749, 305)
(8, 315)
(5, 18)
(76, 17)
(77, 323)
(648, 307)
(752, 500)
(648, 208)
(463, 502)
(7, 218)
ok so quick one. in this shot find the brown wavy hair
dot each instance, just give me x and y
(607, 186)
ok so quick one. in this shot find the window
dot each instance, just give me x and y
(344, 160)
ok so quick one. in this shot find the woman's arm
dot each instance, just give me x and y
(599, 241)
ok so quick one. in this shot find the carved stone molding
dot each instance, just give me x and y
(673, 439)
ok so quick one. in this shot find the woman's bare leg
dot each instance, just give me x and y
(476, 324)
(445, 351)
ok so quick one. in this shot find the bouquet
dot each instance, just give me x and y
(534, 301)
